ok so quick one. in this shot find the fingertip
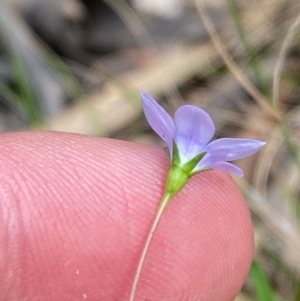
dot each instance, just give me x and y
(74, 211)
(83, 206)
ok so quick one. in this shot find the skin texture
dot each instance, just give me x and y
(75, 210)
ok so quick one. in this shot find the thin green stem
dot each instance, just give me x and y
(292, 148)
(162, 206)
(252, 55)
(281, 58)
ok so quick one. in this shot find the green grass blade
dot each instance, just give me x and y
(297, 296)
(261, 283)
(62, 71)
(26, 95)
(12, 100)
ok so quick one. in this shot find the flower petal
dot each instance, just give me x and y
(159, 120)
(230, 149)
(194, 128)
(227, 167)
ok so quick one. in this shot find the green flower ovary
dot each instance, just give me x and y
(177, 178)
(180, 173)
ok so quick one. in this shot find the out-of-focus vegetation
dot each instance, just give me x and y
(78, 66)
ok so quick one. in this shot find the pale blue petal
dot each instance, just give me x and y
(230, 149)
(159, 120)
(195, 129)
(228, 167)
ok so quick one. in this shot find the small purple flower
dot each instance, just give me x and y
(190, 134)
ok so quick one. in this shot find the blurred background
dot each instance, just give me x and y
(79, 65)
